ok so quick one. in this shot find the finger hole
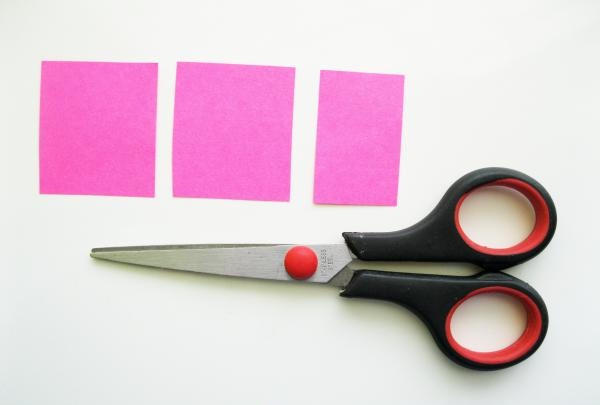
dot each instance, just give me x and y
(497, 217)
(517, 348)
(488, 322)
(520, 222)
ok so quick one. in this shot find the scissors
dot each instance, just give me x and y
(436, 238)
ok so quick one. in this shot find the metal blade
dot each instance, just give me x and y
(254, 261)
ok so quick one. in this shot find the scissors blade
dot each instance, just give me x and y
(254, 261)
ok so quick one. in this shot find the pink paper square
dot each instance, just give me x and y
(232, 131)
(358, 138)
(98, 128)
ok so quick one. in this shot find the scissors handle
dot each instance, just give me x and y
(435, 298)
(439, 237)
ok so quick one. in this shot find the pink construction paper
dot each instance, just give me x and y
(358, 138)
(97, 128)
(232, 131)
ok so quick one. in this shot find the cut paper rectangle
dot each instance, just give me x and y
(232, 131)
(98, 128)
(358, 138)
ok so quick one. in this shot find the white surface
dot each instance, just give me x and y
(513, 83)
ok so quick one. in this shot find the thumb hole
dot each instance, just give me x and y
(488, 322)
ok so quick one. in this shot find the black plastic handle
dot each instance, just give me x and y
(439, 237)
(435, 298)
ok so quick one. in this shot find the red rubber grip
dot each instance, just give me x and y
(519, 348)
(537, 235)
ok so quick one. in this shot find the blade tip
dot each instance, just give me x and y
(94, 253)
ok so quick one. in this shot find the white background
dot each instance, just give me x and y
(511, 83)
